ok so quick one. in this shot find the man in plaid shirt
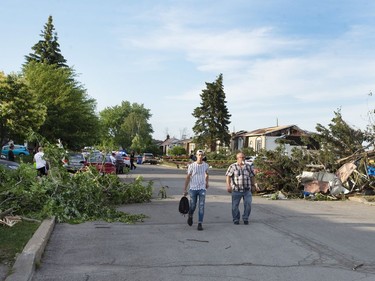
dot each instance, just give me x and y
(240, 180)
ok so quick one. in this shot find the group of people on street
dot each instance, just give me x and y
(240, 182)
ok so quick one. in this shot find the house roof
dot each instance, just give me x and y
(169, 141)
(272, 130)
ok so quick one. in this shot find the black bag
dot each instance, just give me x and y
(183, 207)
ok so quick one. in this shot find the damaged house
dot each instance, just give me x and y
(269, 138)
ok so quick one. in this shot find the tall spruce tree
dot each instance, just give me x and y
(47, 51)
(212, 116)
(71, 113)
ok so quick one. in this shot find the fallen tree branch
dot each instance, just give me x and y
(29, 219)
(356, 156)
(5, 213)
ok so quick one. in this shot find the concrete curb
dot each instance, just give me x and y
(361, 200)
(23, 268)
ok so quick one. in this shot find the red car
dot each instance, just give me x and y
(102, 163)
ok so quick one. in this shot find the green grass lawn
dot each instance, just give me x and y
(13, 240)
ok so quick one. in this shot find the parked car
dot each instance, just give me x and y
(149, 158)
(88, 150)
(74, 162)
(126, 158)
(9, 165)
(19, 150)
(102, 163)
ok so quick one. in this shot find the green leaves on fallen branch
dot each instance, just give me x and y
(84, 196)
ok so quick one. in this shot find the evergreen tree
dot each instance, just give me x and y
(47, 51)
(212, 116)
(337, 141)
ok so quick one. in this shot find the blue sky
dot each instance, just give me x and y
(283, 62)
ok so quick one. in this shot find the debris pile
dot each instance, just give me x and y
(356, 175)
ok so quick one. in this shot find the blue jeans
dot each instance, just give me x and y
(194, 195)
(236, 198)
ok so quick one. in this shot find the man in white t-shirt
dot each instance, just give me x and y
(40, 162)
(197, 179)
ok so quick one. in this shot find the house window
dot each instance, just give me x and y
(258, 144)
(240, 143)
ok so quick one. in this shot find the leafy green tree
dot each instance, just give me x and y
(137, 144)
(124, 122)
(20, 111)
(212, 116)
(47, 50)
(154, 148)
(70, 112)
(177, 150)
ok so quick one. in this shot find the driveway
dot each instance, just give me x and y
(285, 240)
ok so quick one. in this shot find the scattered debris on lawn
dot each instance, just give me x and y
(7, 219)
(10, 220)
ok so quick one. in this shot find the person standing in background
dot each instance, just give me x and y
(132, 158)
(11, 153)
(41, 163)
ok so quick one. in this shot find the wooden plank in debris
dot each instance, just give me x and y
(344, 172)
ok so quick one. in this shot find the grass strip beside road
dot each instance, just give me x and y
(13, 240)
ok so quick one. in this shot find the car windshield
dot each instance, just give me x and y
(96, 158)
(76, 157)
(99, 159)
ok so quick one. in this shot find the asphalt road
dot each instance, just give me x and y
(285, 240)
